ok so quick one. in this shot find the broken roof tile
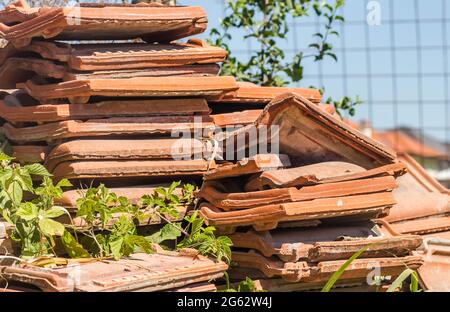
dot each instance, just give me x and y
(326, 243)
(358, 207)
(309, 135)
(101, 22)
(255, 164)
(14, 112)
(139, 272)
(321, 173)
(322, 271)
(120, 56)
(131, 168)
(217, 194)
(79, 91)
(158, 125)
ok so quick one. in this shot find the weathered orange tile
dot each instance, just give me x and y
(120, 56)
(358, 207)
(13, 109)
(139, 272)
(79, 91)
(150, 126)
(255, 164)
(127, 169)
(90, 21)
(131, 149)
(218, 195)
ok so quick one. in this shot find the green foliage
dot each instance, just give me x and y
(265, 22)
(335, 277)
(109, 221)
(345, 104)
(247, 285)
(414, 286)
(204, 240)
(35, 227)
(398, 283)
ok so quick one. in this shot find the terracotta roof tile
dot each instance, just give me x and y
(139, 272)
(326, 243)
(120, 56)
(436, 265)
(80, 91)
(133, 193)
(402, 143)
(101, 22)
(126, 169)
(321, 173)
(359, 207)
(304, 272)
(323, 137)
(114, 108)
(247, 93)
(133, 149)
(255, 164)
(215, 194)
(17, 70)
(158, 125)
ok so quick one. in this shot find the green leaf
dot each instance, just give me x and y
(72, 247)
(15, 192)
(401, 278)
(64, 183)
(27, 211)
(37, 169)
(4, 157)
(54, 212)
(168, 232)
(116, 248)
(50, 227)
(334, 278)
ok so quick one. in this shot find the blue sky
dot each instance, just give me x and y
(399, 69)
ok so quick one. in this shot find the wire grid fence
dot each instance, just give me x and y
(400, 69)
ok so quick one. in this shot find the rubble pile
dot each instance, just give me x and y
(103, 93)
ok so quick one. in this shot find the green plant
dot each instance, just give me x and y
(247, 285)
(398, 283)
(35, 227)
(414, 286)
(203, 239)
(265, 22)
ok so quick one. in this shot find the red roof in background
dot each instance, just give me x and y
(403, 143)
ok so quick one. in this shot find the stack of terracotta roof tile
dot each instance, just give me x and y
(297, 216)
(107, 110)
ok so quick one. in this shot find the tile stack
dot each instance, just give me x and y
(93, 109)
(297, 216)
(107, 110)
(84, 95)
